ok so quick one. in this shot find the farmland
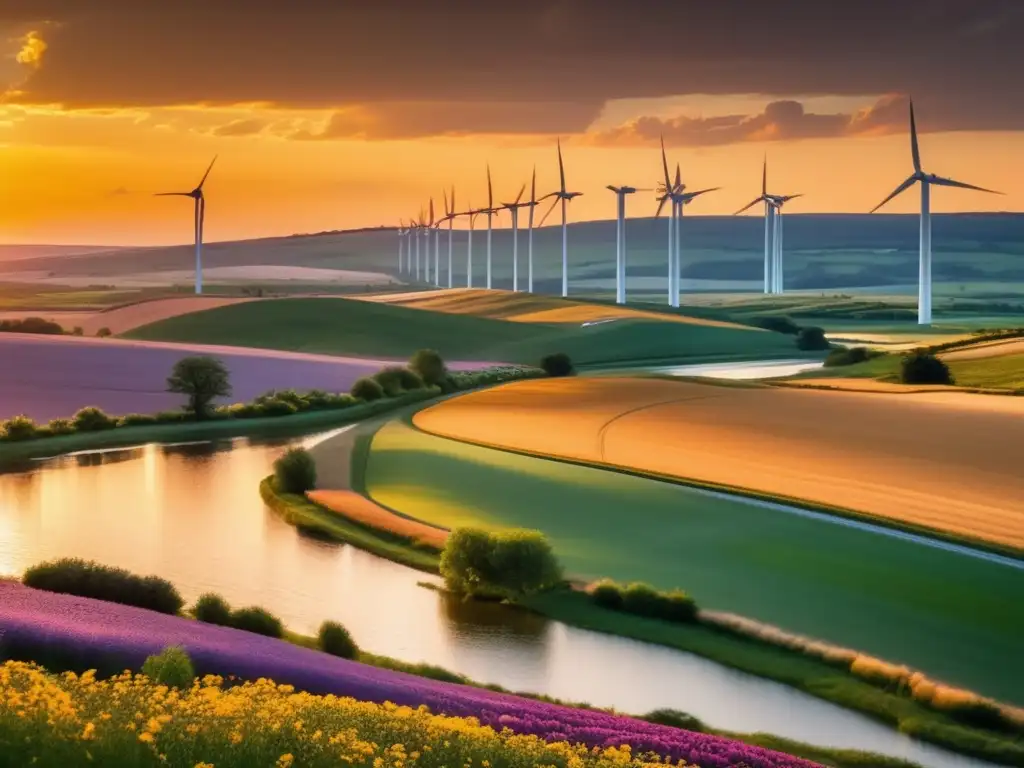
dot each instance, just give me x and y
(850, 587)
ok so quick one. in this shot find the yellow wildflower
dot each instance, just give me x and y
(146, 737)
(285, 760)
(89, 731)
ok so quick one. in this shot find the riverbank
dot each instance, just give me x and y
(751, 654)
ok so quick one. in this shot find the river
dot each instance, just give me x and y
(192, 514)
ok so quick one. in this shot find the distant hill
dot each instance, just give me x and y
(20, 252)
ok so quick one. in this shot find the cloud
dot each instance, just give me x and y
(243, 127)
(962, 59)
(783, 120)
(32, 49)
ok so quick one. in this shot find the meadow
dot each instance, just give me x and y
(840, 584)
(916, 463)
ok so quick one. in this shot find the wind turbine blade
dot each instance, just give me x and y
(764, 177)
(431, 222)
(490, 191)
(561, 166)
(533, 187)
(613, 189)
(210, 168)
(914, 150)
(944, 182)
(749, 205)
(453, 200)
(545, 217)
(900, 189)
(661, 204)
(664, 164)
(787, 198)
(691, 195)
(447, 212)
(173, 194)
(679, 180)
(520, 195)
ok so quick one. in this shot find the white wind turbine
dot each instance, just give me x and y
(778, 271)
(414, 228)
(449, 216)
(924, 287)
(437, 243)
(620, 239)
(513, 209)
(426, 226)
(200, 217)
(769, 218)
(401, 236)
(471, 214)
(490, 210)
(564, 196)
(532, 205)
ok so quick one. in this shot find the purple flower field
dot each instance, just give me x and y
(95, 629)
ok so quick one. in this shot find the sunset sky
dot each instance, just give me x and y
(333, 115)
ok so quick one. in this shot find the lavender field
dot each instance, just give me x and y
(87, 629)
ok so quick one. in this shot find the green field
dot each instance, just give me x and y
(955, 617)
(350, 327)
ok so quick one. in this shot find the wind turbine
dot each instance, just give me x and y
(564, 196)
(471, 214)
(513, 209)
(924, 287)
(529, 249)
(200, 217)
(449, 216)
(416, 226)
(490, 211)
(401, 236)
(777, 201)
(437, 243)
(426, 226)
(769, 220)
(620, 240)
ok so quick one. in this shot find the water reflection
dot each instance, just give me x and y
(193, 515)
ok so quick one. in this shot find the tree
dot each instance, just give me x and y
(557, 364)
(430, 366)
(507, 564)
(201, 379)
(812, 338)
(922, 367)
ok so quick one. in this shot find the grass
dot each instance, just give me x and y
(351, 327)
(854, 588)
(759, 658)
(296, 424)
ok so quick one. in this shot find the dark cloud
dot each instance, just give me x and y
(781, 120)
(962, 58)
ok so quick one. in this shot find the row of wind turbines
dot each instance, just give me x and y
(668, 191)
(414, 262)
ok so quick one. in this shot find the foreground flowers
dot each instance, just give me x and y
(88, 633)
(127, 720)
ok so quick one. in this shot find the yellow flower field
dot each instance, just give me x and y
(69, 720)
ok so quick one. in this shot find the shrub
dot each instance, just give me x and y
(74, 576)
(92, 419)
(201, 380)
(641, 600)
(61, 427)
(275, 407)
(922, 367)
(557, 364)
(395, 380)
(779, 324)
(103, 332)
(508, 563)
(258, 621)
(335, 640)
(289, 396)
(171, 667)
(241, 411)
(367, 389)
(19, 428)
(211, 608)
(851, 356)
(136, 420)
(430, 367)
(295, 471)
(678, 606)
(77, 331)
(675, 719)
(31, 325)
(812, 338)
(607, 594)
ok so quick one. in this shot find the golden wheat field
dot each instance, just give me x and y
(362, 510)
(949, 461)
(530, 308)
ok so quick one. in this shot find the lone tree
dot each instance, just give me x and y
(202, 379)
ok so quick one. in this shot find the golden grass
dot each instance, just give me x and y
(362, 510)
(985, 349)
(124, 319)
(528, 308)
(867, 385)
(947, 461)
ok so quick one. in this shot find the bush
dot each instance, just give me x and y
(77, 331)
(92, 419)
(851, 356)
(367, 389)
(211, 608)
(171, 417)
(136, 420)
(812, 338)
(922, 367)
(171, 667)
(201, 380)
(19, 428)
(607, 594)
(31, 325)
(779, 324)
(335, 640)
(258, 621)
(74, 576)
(61, 427)
(275, 407)
(430, 366)
(295, 471)
(103, 332)
(675, 719)
(508, 563)
(395, 380)
(557, 364)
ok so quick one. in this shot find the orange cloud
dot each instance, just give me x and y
(32, 49)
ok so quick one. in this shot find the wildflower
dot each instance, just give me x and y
(285, 760)
(146, 737)
(88, 732)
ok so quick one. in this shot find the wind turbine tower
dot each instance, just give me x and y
(200, 218)
(564, 196)
(513, 209)
(532, 205)
(620, 240)
(926, 180)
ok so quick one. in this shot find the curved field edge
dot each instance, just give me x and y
(717, 642)
(741, 493)
(218, 429)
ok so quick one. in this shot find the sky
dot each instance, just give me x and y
(327, 114)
